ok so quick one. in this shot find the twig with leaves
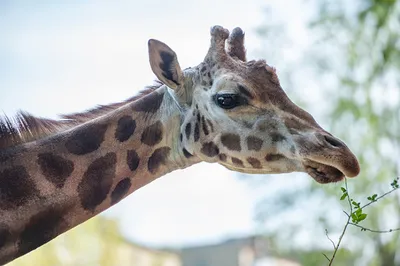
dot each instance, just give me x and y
(357, 215)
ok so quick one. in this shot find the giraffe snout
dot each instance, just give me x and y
(340, 155)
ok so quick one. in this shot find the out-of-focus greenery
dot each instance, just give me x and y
(97, 242)
(356, 56)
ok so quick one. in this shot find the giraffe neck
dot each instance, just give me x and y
(51, 185)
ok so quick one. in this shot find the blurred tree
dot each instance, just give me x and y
(97, 242)
(355, 53)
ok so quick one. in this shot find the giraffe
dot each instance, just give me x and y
(56, 174)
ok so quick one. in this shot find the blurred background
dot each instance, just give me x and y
(340, 60)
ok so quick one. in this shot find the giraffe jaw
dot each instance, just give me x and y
(258, 171)
(323, 173)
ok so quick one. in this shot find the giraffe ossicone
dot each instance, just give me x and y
(55, 175)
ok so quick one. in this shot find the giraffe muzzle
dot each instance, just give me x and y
(328, 159)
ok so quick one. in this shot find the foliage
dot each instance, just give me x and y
(96, 242)
(357, 215)
(356, 55)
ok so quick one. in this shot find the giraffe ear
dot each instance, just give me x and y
(165, 65)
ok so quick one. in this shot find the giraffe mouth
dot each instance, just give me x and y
(323, 173)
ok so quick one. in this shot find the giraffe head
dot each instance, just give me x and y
(235, 112)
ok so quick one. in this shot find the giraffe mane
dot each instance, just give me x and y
(24, 127)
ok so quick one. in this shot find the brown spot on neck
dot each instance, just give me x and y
(55, 168)
(150, 103)
(125, 128)
(16, 188)
(97, 181)
(40, 229)
(120, 190)
(158, 158)
(153, 134)
(132, 159)
(86, 139)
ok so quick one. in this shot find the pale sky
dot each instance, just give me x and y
(67, 56)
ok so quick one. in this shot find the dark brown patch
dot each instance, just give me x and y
(237, 161)
(16, 188)
(255, 163)
(196, 132)
(210, 124)
(204, 68)
(97, 181)
(132, 158)
(158, 158)
(254, 143)
(197, 106)
(231, 141)
(41, 228)
(186, 153)
(153, 134)
(167, 66)
(205, 128)
(274, 157)
(180, 137)
(222, 157)
(4, 235)
(150, 103)
(276, 137)
(245, 92)
(198, 117)
(188, 130)
(125, 128)
(210, 149)
(205, 107)
(120, 190)
(86, 139)
(55, 168)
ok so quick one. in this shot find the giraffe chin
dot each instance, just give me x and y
(323, 173)
(258, 171)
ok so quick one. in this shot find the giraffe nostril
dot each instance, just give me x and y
(333, 141)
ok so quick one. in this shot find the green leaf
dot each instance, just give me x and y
(343, 196)
(343, 189)
(354, 217)
(362, 217)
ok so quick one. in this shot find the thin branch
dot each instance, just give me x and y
(375, 231)
(333, 243)
(340, 240)
(344, 228)
(381, 196)
(349, 215)
(326, 257)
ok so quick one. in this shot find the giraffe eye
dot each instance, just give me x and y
(227, 101)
